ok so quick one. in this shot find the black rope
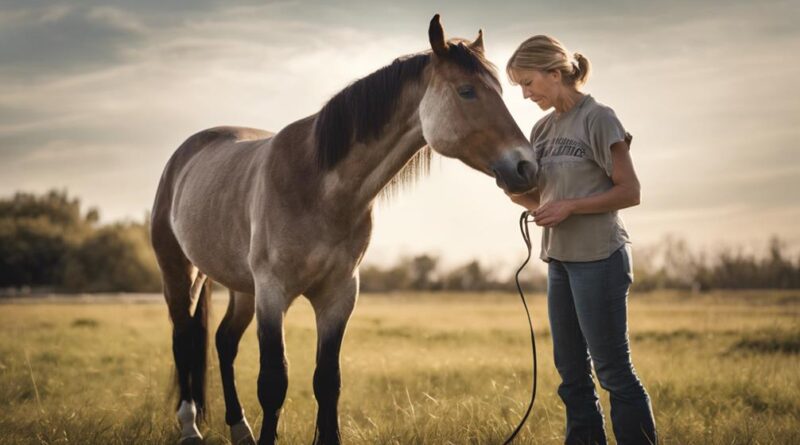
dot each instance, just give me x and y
(524, 219)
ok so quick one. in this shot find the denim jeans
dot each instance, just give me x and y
(587, 306)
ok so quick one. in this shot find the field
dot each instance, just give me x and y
(721, 368)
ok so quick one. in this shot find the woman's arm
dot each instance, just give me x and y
(624, 193)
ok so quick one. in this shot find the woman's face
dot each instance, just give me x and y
(541, 87)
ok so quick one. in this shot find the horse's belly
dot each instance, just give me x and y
(221, 259)
(216, 240)
(209, 214)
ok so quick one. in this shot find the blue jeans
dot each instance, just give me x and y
(587, 306)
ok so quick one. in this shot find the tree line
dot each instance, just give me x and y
(669, 264)
(49, 244)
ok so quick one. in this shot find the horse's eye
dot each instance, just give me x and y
(466, 92)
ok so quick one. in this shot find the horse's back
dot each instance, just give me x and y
(239, 134)
(208, 138)
(201, 144)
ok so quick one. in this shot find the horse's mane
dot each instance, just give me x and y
(359, 112)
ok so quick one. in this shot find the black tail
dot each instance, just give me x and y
(190, 348)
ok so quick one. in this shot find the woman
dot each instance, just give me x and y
(586, 175)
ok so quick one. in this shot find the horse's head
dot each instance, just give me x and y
(463, 115)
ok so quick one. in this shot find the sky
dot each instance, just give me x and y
(95, 96)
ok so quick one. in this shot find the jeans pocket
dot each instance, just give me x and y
(627, 261)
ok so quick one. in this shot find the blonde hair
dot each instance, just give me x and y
(544, 53)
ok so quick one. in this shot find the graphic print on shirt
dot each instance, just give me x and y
(561, 146)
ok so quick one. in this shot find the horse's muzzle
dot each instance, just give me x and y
(517, 176)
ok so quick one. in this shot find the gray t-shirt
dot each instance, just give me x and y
(574, 155)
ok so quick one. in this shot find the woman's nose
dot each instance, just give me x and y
(525, 94)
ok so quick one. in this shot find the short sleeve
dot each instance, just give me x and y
(536, 131)
(604, 131)
(537, 134)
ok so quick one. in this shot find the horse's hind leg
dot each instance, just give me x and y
(241, 308)
(186, 292)
(333, 305)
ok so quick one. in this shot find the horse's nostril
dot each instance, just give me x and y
(522, 168)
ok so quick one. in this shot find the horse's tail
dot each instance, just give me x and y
(200, 362)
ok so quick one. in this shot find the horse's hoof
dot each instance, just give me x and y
(242, 434)
(190, 435)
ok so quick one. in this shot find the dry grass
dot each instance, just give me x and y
(417, 369)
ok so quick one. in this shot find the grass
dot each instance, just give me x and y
(417, 369)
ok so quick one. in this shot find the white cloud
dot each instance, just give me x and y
(706, 93)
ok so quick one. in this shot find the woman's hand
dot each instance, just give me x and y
(551, 214)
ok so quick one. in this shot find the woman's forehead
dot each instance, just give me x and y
(521, 75)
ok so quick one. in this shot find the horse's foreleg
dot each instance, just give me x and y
(241, 308)
(273, 378)
(333, 307)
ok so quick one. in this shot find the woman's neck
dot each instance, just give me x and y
(567, 100)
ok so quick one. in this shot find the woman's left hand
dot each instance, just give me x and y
(551, 214)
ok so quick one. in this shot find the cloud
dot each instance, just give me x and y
(96, 95)
(127, 116)
(58, 40)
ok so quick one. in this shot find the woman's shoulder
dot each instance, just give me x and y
(600, 114)
(598, 111)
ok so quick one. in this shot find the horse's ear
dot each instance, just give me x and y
(477, 45)
(436, 36)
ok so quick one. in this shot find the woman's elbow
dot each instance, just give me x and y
(636, 196)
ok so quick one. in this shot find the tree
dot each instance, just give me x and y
(423, 268)
(36, 233)
(468, 277)
(45, 241)
(116, 258)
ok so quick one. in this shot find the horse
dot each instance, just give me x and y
(272, 216)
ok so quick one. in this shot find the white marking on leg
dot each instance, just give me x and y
(187, 413)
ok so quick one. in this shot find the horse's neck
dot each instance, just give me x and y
(358, 179)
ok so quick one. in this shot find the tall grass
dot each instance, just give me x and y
(417, 369)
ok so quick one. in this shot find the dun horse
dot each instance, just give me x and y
(273, 216)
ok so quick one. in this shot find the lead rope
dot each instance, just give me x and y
(524, 219)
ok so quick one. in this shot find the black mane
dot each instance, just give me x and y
(359, 112)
